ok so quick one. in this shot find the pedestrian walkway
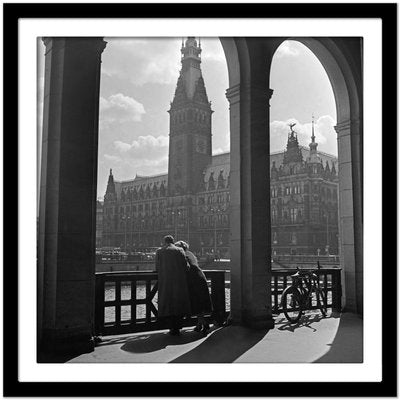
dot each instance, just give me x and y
(335, 339)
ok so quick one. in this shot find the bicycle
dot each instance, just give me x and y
(297, 297)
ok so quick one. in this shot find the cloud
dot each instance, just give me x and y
(325, 134)
(147, 155)
(287, 49)
(212, 50)
(120, 108)
(142, 61)
(144, 146)
(152, 60)
(121, 146)
(112, 158)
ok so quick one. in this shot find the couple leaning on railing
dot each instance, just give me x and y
(182, 286)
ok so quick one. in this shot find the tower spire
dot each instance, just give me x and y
(313, 144)
(312, 130)
(313, 157)
(190, 72)
(190, 124)
(110, 191)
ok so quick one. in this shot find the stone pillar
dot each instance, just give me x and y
(250, 208)
(235, 242)
(350, 209)
(357, 169)
(67, 215)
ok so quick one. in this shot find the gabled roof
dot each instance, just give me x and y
(142, 181)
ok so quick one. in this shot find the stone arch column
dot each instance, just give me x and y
(248, 67)
(67, 214)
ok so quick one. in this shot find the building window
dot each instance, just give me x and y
(294, 238)
(274, 214)
(293, 214)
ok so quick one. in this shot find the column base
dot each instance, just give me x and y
(62, 344)
(258, 322)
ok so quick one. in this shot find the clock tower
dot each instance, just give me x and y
(190, 125)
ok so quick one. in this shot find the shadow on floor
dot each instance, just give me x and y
(57, 358)
(224, 345)
(306, 321)
(347, 346)
(148, 343)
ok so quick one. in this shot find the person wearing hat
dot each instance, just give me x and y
(173, 293)
(200, 300)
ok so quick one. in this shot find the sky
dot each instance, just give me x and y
(138, 79)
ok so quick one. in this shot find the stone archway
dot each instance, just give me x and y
(342, 61)
(69, 170)
(249, 61)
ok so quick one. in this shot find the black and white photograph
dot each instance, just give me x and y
(192, 252)
(204, 200)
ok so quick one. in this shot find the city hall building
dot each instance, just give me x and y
(192, 200)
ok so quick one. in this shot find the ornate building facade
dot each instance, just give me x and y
(192, 201)
(304, 200)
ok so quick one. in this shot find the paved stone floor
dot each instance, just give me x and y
(335, 339)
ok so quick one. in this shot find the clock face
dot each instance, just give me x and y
(201, 146)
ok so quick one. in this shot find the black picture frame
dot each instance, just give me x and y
(12, 12)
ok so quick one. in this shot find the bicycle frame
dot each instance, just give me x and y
(306, 284)
(297, 297)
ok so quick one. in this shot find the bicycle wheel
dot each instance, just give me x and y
(291, 304)
(321, 301)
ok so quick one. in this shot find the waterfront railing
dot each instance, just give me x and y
(329, 281)
(126, 302)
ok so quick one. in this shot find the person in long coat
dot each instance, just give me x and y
(173, 292)
(200, 300)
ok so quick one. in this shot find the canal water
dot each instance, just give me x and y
(140, 294)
